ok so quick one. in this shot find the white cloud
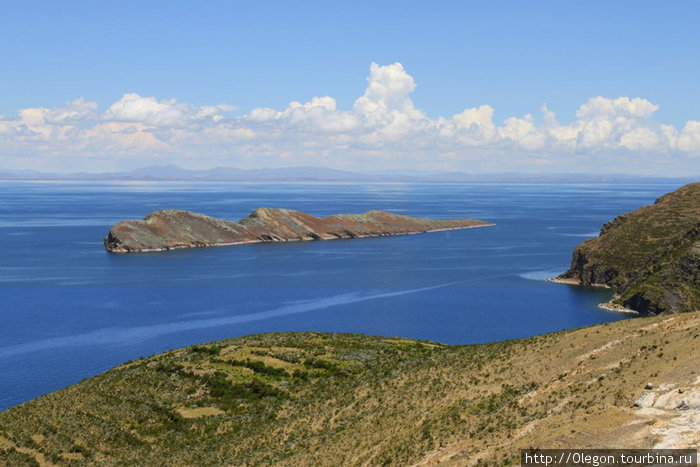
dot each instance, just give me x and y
(320, 114)
(597, 107)
(480, 117)
(33, 116)
(164, 113)
(383, 129)
(76, 111)
(640, 139)
(472, 127)
(517, 129)
(689, 139)
(388, 89)
(121, 136)
(147, 110)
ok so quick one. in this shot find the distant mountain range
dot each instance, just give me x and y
(322, 174)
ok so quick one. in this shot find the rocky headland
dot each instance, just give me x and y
(650, 257)
(171, 229)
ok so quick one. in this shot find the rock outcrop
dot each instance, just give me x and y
(651, 256)
(170, 229)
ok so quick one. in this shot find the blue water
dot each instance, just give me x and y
(69, 310)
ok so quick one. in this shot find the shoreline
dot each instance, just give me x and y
(610, 306)
(607, 306)
(576, 282)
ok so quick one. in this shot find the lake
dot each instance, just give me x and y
(69, 310)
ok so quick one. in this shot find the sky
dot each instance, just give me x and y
(478, 87)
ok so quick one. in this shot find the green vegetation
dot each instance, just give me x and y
(338, 399)
(651, 256)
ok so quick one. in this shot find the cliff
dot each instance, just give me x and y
(316, 399)
(169, 229)
(651, 256)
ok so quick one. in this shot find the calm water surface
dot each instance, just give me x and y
(69, 310)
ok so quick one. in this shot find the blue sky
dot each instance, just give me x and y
(99, 85)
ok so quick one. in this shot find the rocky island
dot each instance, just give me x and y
(170, 229)
(650, 257)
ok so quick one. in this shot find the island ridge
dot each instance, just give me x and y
(170, 229)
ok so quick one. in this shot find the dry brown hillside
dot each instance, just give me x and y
(296, 399)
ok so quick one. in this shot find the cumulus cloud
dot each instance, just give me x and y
(163, 113)
(76, 111)
(388, 89)
(318, 115)
(689, 138)
(602, 107)
(73, 112)
(383, 128)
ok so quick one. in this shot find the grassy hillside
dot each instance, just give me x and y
(335, 399)
(651, 256)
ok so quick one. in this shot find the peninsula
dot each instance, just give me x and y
(650, 257)
(170, 229)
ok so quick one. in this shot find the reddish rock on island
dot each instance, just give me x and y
(171, 229)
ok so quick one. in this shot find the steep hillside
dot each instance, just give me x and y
(651, 256)
(171, 228)
(295, 399)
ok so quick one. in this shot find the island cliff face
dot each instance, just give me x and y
(170, 229)
(651, 256)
